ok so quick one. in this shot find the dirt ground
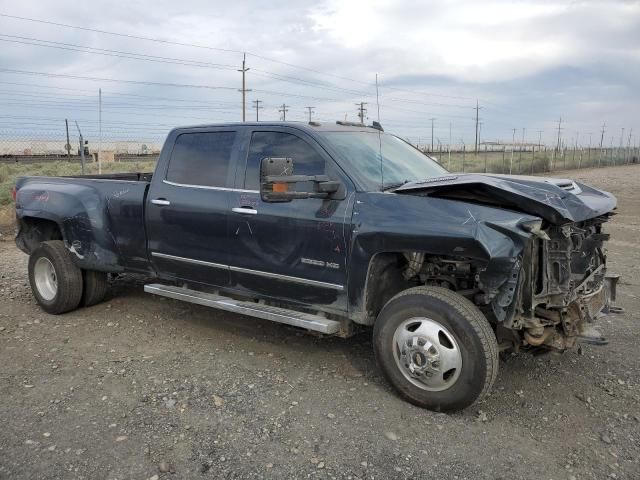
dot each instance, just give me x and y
(140, 387)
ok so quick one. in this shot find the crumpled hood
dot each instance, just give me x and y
(556, 200)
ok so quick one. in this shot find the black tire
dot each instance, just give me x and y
(476, 344)
(95, 287)
(68, 278)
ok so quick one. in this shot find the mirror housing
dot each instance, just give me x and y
(276, 174)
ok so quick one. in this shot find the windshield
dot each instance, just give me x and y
(381, 160)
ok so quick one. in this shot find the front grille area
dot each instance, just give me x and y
(573, 262)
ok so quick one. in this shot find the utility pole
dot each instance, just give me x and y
(513, 141)
(432, 120)
(628, 145)
(67, 147)
(621, 140)
(361, 111)
(81, 147)
(520, 156)
(99, 131)
(449, 164)
(257, 107)
(559, 134)
(284, 111)
(540, 139)
(310, 111)
(477, 109)
(604, 125)
(244, 90)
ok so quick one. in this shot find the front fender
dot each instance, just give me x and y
(438, 227)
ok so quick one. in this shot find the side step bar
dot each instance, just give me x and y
(275, 314)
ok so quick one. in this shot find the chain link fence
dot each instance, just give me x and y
(532, 159)
(17, 147)
(49, 146)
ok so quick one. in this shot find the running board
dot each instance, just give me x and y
(260, 310)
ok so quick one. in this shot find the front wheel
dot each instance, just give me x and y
(436, 348)
(56, 282)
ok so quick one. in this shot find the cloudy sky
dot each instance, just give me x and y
(526, 63)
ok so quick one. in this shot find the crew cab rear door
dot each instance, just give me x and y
(295, 251)
(188, 205)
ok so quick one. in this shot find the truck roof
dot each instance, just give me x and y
(311, 127)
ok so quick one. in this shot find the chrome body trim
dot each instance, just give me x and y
(189, 260)
(206, 187)
(277, 276)
(288, 278)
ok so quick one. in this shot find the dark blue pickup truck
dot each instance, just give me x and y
(332, 228)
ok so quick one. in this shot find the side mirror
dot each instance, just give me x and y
(276, 175)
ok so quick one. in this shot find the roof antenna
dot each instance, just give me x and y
(379, 128)
(377, 98)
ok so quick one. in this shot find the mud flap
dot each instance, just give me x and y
(611, 285)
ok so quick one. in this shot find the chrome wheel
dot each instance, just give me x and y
(46, 279)
(427, 354)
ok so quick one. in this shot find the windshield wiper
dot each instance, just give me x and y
(391, 186)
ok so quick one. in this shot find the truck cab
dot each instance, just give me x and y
(207, 222)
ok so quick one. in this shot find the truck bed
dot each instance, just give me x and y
(100, 216)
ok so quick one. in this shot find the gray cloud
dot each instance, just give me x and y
(528, 63)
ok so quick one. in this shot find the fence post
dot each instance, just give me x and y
(580, 159)
(485, 159)
(464, 150)
(504, 149)
(533, 157)
(520, 160)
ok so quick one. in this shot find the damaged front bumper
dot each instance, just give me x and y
(564, 288)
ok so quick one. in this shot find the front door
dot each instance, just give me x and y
(188, 207)
(295, 251)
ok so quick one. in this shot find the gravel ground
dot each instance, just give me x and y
(141, 387)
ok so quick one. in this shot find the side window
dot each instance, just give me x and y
(201, 158)
(277, 144)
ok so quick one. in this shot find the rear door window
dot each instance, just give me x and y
(201, 158)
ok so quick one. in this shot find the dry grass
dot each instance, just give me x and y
(9, 173)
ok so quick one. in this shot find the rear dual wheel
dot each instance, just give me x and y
(436, 348)
(58, 285)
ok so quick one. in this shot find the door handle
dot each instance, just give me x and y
(160, 201)
(245, 210)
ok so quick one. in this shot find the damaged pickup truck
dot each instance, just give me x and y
(333, 228)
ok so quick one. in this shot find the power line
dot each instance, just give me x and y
(101, 79)
(125, 35)
(192, 45)
(110, 53)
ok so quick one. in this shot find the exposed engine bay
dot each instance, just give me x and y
(556, 290)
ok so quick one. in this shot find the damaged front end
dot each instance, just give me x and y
(549, 293)
(563, 287)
